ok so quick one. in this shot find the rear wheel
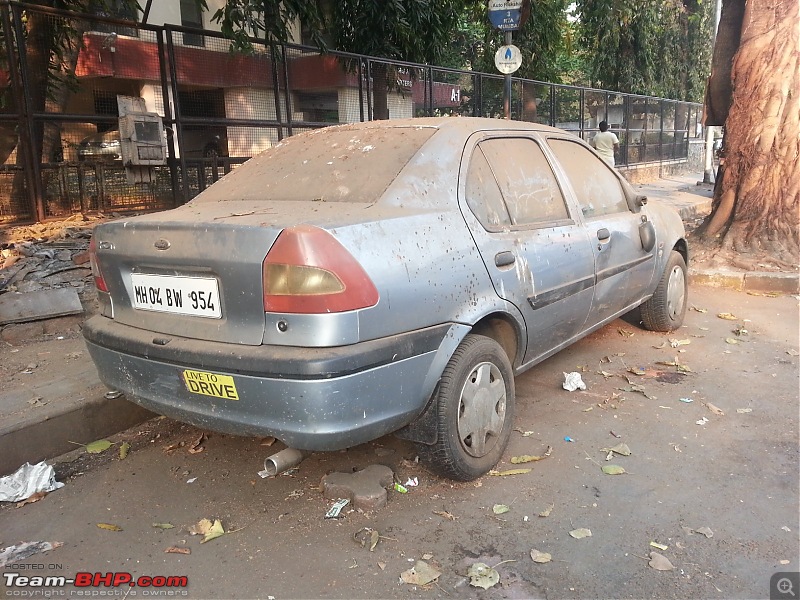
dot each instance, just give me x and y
(665, 310)
(475, 410)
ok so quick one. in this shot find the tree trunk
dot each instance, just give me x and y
(756, 202)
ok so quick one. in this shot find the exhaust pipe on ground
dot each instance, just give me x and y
(282, 461)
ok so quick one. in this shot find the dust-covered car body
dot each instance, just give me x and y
(346, 283)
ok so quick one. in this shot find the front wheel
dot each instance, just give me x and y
(475, 410)
(665, 310)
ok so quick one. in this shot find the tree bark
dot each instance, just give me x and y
(756, 202)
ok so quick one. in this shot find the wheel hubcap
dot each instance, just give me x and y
(676, 292)
(482, 409)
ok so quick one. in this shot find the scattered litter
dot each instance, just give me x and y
(640, 371)
(785, 528)
(336, 509)
(588, 409)
(524, 433)
(192, 480)
(540, 557)
(483, 576)
(509, 472)
(568, 439)
(792, 352)
(367, 534)
(412, 482)
(605, 374)
(660, 346)
(580, 533)
(207, 529)
(613, 470)
(784, 562)
(163, 525)
(109, 527)
(427, 556)
(636, 388)
(420, 574)
(621, 449)
(382, 565)
(400, 488)
(445, 514)
(12, 554)
(731, 341)
(36, 401)
(700, 310)
(526, 458)
(740, 330)
(112, 395)
(546, 512)
(660, 562)
(177, 550)
(743, 411)
(197, 447)
(500, 509)
(728, 316)
(625, 332)
(687, 400)
(616, 435)
(675, 342)
(27, 480)
(30, 500)
(124, 448)
(268, 441)
(703, 531)
(702, 421)
(714, 409)
(659, 546)
(573, 382)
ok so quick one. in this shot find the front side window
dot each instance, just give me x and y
(529, 187)
(597, 189)
(483, 196)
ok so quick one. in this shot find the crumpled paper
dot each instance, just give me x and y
(26, 481)
(573, 381)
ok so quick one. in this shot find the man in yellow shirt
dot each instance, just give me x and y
(605, 143)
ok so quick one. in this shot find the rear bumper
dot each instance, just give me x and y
(309, 398)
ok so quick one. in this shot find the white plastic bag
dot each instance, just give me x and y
(26, 481)
(573, 381)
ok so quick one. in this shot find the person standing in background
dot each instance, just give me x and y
(606, 143)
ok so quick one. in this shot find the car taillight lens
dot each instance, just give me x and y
(99, 282)
(307, 271)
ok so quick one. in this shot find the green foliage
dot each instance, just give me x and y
(654, 47)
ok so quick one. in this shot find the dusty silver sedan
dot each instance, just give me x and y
(380, 277)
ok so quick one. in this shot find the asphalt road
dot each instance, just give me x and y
(736, 475)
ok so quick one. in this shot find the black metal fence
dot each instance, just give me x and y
(59, 137)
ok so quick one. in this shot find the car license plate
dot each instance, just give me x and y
(210, 384)
(195, 296)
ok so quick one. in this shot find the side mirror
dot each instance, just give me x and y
(641, 200)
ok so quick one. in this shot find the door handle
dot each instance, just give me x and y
(503, 259)
(603, 234)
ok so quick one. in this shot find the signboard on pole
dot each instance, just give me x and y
(508, 59)
(505, 15)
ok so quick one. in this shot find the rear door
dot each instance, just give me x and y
(538, 256)
(623, 268)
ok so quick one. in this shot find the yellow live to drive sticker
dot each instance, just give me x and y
(210, 384)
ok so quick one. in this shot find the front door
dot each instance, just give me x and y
(623, 268)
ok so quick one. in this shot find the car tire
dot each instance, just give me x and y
(474, 410)
(665, 310)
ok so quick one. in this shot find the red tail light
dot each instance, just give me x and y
(308, 271)
(99, 282)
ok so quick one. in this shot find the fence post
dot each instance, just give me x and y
(361, 90)
(276, 87)
(178, 127)
(286, 90)
(25, 145)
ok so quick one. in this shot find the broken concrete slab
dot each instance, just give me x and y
(366, 489)
(43, 304)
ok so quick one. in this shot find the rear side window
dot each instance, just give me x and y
(529, 187)
(483, 196)
(326, 165)
(597, 189)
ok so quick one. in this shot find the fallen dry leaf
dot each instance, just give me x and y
(483, 576)
(660, 562)
(420, 574)
(124, 448)
(109, 527)
(500, 509)
(704, 531)
(580, 533)
(728, 316)
(177, 550)
(31, 499)
(613, 470)
(546, 512)
(509, 472)
(445, 514)
(525, 458)
(540, 557)
(714, 409)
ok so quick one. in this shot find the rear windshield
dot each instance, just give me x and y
(327, 165)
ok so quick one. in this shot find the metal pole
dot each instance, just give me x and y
(507, 85)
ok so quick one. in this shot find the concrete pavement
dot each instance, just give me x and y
(61, 402)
